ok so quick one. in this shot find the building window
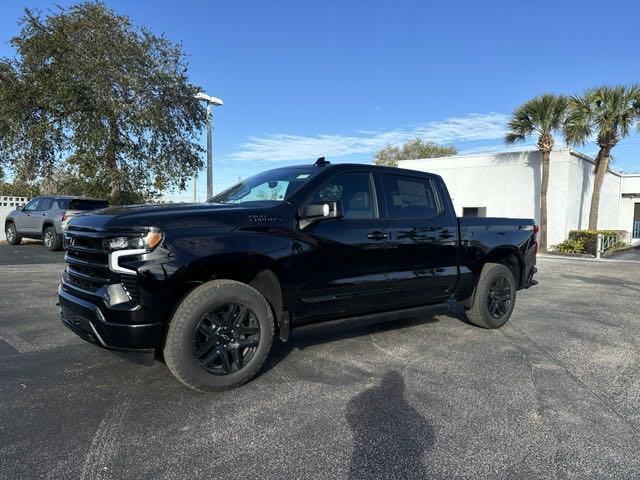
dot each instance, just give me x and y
(474, 211)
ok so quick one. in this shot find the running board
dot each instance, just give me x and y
(372, 318)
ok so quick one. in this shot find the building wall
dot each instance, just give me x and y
(630, 197)
(508, 185)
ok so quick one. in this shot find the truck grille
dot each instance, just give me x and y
(88, 262)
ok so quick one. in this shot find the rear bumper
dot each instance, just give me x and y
(136, 341)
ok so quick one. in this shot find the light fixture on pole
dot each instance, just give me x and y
(216, 102)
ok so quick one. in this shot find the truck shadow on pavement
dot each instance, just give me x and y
(390, 435)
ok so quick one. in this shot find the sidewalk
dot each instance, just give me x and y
(628, 256)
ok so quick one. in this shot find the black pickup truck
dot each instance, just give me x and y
(209, 286)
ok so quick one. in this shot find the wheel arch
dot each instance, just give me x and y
(510, 257)
(259, 272)
(46, 224)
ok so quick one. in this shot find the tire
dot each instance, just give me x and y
(52, 240)
(11, 234)
(494, 297)
(185, 340)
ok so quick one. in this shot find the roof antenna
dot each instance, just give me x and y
(321, 162)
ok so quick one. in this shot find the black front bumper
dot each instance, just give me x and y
(136, 341)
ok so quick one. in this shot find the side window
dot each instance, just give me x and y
(45, 204)
(354, 191)
(409, 197)
(32, 205)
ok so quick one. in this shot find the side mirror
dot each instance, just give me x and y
(322, 211)
(20, 207)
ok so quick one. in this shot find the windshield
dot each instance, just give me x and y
(270, 186)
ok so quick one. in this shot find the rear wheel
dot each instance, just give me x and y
(219, 336)
(52, 241)
(494, 298)
(12, 234)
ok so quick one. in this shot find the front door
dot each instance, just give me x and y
(343, 263)
(28, 219)
(424, 239)
(636, 221)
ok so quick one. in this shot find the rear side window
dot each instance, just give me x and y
(45, 204)
(80, 204)
(409, 197)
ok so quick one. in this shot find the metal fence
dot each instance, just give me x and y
(7, 204)
(605, 242)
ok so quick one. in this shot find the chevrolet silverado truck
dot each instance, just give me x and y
(208, 287)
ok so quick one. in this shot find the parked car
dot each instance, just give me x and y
(209, 286)
(43, 218)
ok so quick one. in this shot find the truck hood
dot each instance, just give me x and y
(170, 216)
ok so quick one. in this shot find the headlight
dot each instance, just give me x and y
(147, 242)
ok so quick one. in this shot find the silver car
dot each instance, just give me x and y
(43, 218)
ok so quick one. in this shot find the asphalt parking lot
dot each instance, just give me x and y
(553, 394)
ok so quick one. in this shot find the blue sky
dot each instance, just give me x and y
(341, 79)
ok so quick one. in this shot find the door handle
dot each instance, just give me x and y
(445, 234)
(377, 235)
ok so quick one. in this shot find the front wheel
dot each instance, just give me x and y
(494, 298)
(12, 234)
(219, 336)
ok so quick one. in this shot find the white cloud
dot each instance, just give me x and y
(288, 147)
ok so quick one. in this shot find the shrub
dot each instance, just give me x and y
(570, 246)
(589, 239)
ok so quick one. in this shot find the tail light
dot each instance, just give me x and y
(66, 216)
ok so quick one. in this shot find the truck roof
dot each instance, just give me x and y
(367, 167)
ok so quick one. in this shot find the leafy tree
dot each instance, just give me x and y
(415, 149)
(541, 116)
(105, 101)
(609, 113)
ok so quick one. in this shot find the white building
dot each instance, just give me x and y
(508, 185)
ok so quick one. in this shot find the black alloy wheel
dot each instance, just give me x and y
(226, 338)
(499, 297)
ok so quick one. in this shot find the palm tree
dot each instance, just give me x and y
(609, 113)
(541, 116)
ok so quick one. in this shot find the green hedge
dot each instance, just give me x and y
(586, 241)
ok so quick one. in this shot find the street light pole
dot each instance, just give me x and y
(209, 152)
(215, 102)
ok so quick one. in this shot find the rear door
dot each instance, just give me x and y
(342, 271)
(42, 213)
(423, 241)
